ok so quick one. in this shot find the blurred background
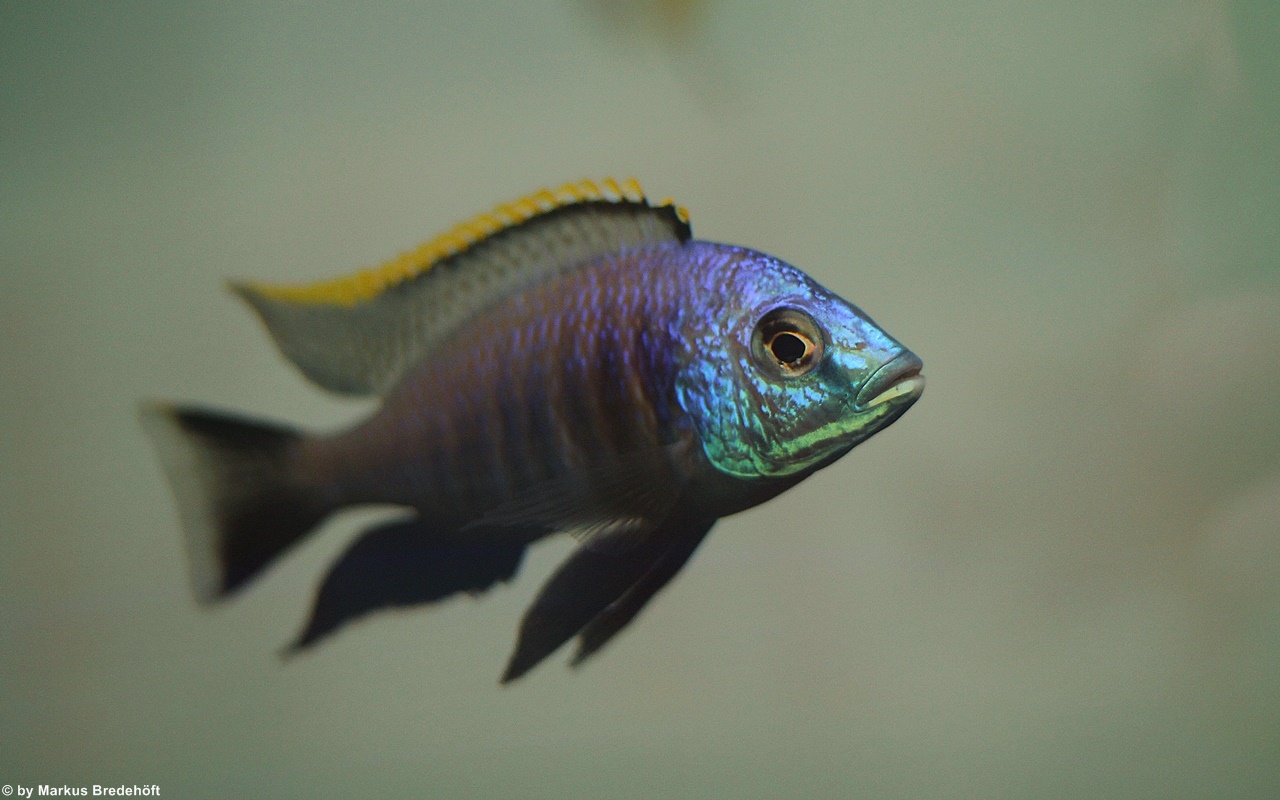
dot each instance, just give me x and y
(1057, 577)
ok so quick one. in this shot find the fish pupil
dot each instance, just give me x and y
(788, 348)
(787, 343)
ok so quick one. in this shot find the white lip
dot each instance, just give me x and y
(907, 386)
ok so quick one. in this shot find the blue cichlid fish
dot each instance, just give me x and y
(574, 361)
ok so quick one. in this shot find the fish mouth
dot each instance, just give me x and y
(899, 382)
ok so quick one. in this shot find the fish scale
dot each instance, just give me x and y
(571, 362)
(586, 407)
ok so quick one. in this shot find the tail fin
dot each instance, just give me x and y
(240, 502)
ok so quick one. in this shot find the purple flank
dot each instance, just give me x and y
(568, 376)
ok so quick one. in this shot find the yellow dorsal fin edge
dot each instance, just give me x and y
(369, 283)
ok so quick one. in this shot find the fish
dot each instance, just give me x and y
(571, 362)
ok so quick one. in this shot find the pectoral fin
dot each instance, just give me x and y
(601, 588)
(626, 493)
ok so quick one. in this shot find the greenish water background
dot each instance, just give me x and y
(1057, 577)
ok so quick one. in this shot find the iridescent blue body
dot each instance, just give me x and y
(593, 369)
(644, 353)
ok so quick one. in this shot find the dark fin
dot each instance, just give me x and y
(601, 588)
(617, 615)
(239, 503)
(358, 334)
(404, 563)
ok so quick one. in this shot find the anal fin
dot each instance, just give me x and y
(406, 563)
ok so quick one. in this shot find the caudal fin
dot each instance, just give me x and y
(238, 495)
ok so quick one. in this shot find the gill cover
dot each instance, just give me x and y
(773, 381)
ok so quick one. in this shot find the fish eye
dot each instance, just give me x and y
(787, 343)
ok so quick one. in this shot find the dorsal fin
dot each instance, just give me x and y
(358, 334)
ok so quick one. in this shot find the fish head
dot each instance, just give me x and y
(782, 376)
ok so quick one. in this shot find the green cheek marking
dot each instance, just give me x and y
(807, 423)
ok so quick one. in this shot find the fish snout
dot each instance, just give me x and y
(897, 381)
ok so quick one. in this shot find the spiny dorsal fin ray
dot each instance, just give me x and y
(358, 334)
